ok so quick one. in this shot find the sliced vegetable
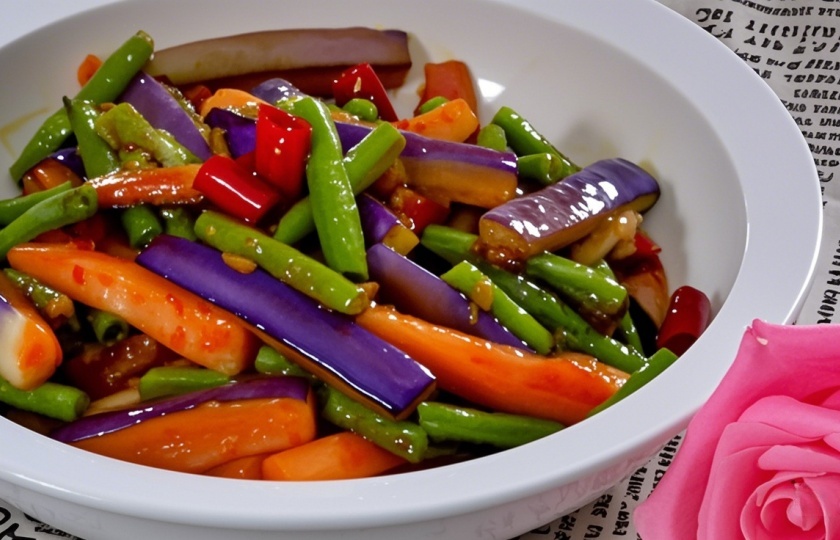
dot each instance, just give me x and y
(452, 121)
(97, 155)
(12, 208)
(54, 212)
(327, 343)
(158, 186)
(173, 316)
(141, 224)
(157, 104)
(283, 142)
(106, 85)
(331, 194)
(50, 399)
(563, 388)
(659, 362)
(270, 361)
(205, 436)
(340, 456)
(688, 315)
(450, 80)
(446, 422)
(240, 132)
(107, 327)
(380, 225)
(416, 210)
(276, 89)
(300, 271)
(292, 54)
(29, 350)
(403, 438)
(235, 189)
(415, 290)
(361, 81)
(469, 280)
(450, 172)
(647, 284)
(559, 214)
(176, 380)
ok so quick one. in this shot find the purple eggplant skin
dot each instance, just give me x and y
(562, 213)
(381, 225)
(240, 131)
(276, 89)
(70, 158)
(163, 111)
(413, 290)
(327, 343)
(256, 388)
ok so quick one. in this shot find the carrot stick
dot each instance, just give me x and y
(47, 174)
(562, 388)
(178, 319)
(339, 456)
(87, 68)
(230, 99)
(164, 185)
(196, 440)
(453, 121)
(29, 350)
(451, 79)
(244, 468)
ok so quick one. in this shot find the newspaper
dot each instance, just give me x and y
(794, 45)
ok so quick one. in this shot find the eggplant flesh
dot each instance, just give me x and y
(560, 214)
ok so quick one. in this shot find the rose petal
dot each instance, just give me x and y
(814, 458)
(797, 361)
(794, 416)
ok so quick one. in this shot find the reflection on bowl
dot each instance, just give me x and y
(600, 83)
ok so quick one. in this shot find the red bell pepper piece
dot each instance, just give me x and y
(688, 315)
(235, 189)
(451, 80)
(415, 210)
(282, 146)
(361, 81)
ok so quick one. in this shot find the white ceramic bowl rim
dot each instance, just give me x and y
(45, 466)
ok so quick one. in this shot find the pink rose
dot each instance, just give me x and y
(761, 459)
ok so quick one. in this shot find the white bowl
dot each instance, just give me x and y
(740, 218)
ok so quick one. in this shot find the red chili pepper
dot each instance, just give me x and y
(361, 81)
(235, 189)
(688, 315)
(283, 142)
(645, 246)
(416, 211)
(450, 79)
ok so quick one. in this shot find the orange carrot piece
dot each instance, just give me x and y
(178, 319)
(87, 68)
(31, 352)
(450, 79)
(48, 174)
(231, 99)
(340, 456)
(453, 121)
(199, 439)
(164, 185)
(244, 468)
(562, 388)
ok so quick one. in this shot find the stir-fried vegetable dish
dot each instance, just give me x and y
(239, 258)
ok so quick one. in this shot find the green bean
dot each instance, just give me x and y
(125, 130)
(493, 137)
(97, 156)
(141, 224)
(659, 362)
(431, 104)
(284, 262)
(443, 421)
(545, 167)
(51, 399)
(468, 279)
(12, 208)
(54, 305)
(363, 109)
(627, 326)
(270, 361)
(403, 438)
(584, 286)
(107, 327)
(524, 139)
(337, 220)
(57, 211)
(164, 381)
(105, 85)
(178, 221)
(569, 328)
(364, 163)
